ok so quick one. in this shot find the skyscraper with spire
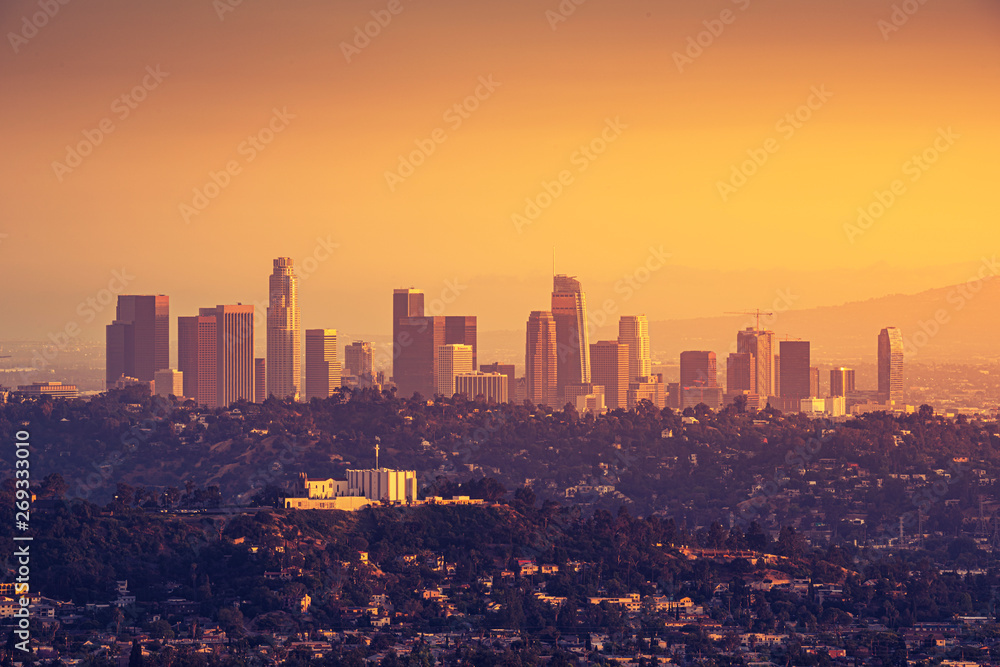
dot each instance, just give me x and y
(569, 308)
(284, 347)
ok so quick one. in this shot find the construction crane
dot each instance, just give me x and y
(786, 337)
(757, 313)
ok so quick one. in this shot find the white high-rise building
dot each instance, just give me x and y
(284, 347)
(491, 386)
(452, 360)
(633, 330)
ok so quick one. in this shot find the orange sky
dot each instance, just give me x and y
(656, 184)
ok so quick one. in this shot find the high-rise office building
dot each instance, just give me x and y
(699, 382)
(461, 330)
(569, 308)
(358, 359)
(508, 371)
(415, 364)
(284, 363)
(795, 370)
(761, 345)
(841, 381)
(452, 360)
(259, 379)
(740, 373)
(492, 387)
(322, 363)
(234, 353)
(406, 303)
(609, 368)
(814, 382)
(197, 349)
(647, 388)
(138, 340)
(698, 369)
(890, 366)
(776, 366)
(169, 382)
(633, 330)
(540, 359)
(416, 340)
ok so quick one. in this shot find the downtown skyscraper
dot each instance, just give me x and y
(569, 308)
(760, 344)
(215, 353)
(796, 372)
(841, 381)
(197, 347)
(611, 370)
(417, 340)
(633, 330)
(890, 366)
(540, 358)
(138, 340)
(284, 347)
(322, 363)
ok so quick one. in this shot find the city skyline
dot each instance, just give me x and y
(603, 66)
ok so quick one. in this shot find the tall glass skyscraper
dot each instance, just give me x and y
(569, 308)
(890, 366)
(284, 346)
(138, 341)
(540, 358)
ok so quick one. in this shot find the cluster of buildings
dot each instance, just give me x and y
(438, 355)
(360, 489)
(562, 366)
(215, 350)
(782, 375)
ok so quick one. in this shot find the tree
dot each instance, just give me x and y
(135, 657)
(53, 486)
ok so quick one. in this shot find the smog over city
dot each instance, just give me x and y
(568, 332)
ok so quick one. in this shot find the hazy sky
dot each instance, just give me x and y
(664, 132)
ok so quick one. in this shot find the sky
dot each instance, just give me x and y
(682, 158)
